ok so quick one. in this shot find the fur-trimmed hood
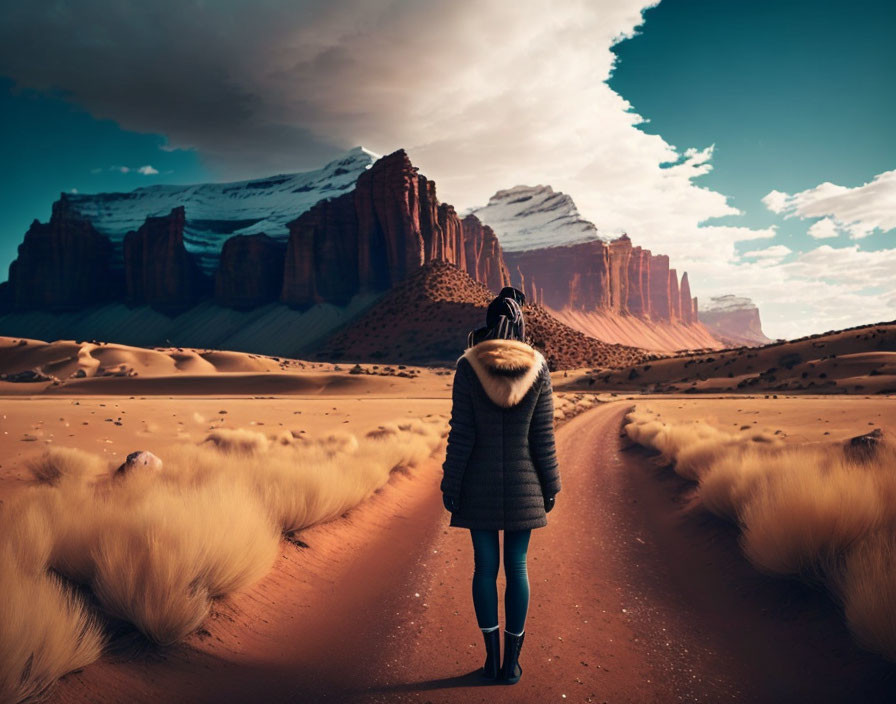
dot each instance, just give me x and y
(506, 368)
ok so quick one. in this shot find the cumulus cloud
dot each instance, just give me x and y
(773, 254)
(826, 228)
(146, 170)
(859, 211)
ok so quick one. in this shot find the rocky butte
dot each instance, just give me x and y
(734, 319)
(612, 290)
(360, 241)
(173, 263)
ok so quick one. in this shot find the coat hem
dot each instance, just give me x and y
(480, 525)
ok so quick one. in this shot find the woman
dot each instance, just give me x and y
(500, 470)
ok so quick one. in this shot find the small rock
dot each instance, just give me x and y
(141, 459)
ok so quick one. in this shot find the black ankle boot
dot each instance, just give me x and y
(511, 670)
(492, 667)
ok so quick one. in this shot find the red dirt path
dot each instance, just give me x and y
(636, 597)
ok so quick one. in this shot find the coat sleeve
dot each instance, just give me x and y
(541, 439)
(461, 436)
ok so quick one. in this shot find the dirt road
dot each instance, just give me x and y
(636, 597)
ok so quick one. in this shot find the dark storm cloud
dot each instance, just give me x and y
(187, 70)
(282, 84)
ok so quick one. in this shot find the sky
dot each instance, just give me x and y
(750, 141)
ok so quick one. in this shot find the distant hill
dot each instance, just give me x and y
(860, 360)
(426, 318)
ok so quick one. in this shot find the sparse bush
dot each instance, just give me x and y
(156, 547)
(45, 628)
(810, 511)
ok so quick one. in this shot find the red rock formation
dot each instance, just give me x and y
(620, 254)
(453, 233)
(62, 265)
(735, 320)
(659, 287)
(638, 300)
(575, 276)
(686, 303)
(250, 271)
(387, 203)
(674, 296)
(483, 256)
(610, 277)
(322, 255)
(375, 236)
(158, 269)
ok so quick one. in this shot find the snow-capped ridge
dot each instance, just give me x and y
(727, 302)
(217, 211)
(532, 217)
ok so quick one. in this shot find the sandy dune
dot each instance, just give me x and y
(78, 367)
(857, 361)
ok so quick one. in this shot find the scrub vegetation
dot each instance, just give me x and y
(818, 511)
(155, 546)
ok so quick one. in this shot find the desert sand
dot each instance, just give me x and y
(860, 360)
(634, 598)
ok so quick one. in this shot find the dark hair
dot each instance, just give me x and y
(499, 304)
(503, 319)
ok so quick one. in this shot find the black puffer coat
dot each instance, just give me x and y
(501, 461)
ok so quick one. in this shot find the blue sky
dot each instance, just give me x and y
(791, 94)
(721, 133)
(54, 146)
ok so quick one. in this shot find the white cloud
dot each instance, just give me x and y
(769, 255)
(826, 228)
(776, 201)
(73, 190)
(146, 170)
(859, 211)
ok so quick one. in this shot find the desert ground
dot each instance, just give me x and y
(637, 596)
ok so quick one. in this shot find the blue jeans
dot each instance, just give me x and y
(485, 574)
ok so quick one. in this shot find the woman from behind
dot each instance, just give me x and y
(500, 469)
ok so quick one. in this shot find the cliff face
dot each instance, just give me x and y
(62, 265)
(375, 236)
(158, 269)
(484, 259)
(376, 232)
(612, 277)
(735, 319)
(250, 272)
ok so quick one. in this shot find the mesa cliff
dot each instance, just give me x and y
(363, 241)
(374, 224)
(611, 277)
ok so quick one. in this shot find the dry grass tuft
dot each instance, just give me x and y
(156, 547)
(67, 463)
(868, 588)
(45, 629)
(238, 440)
(811, 511)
